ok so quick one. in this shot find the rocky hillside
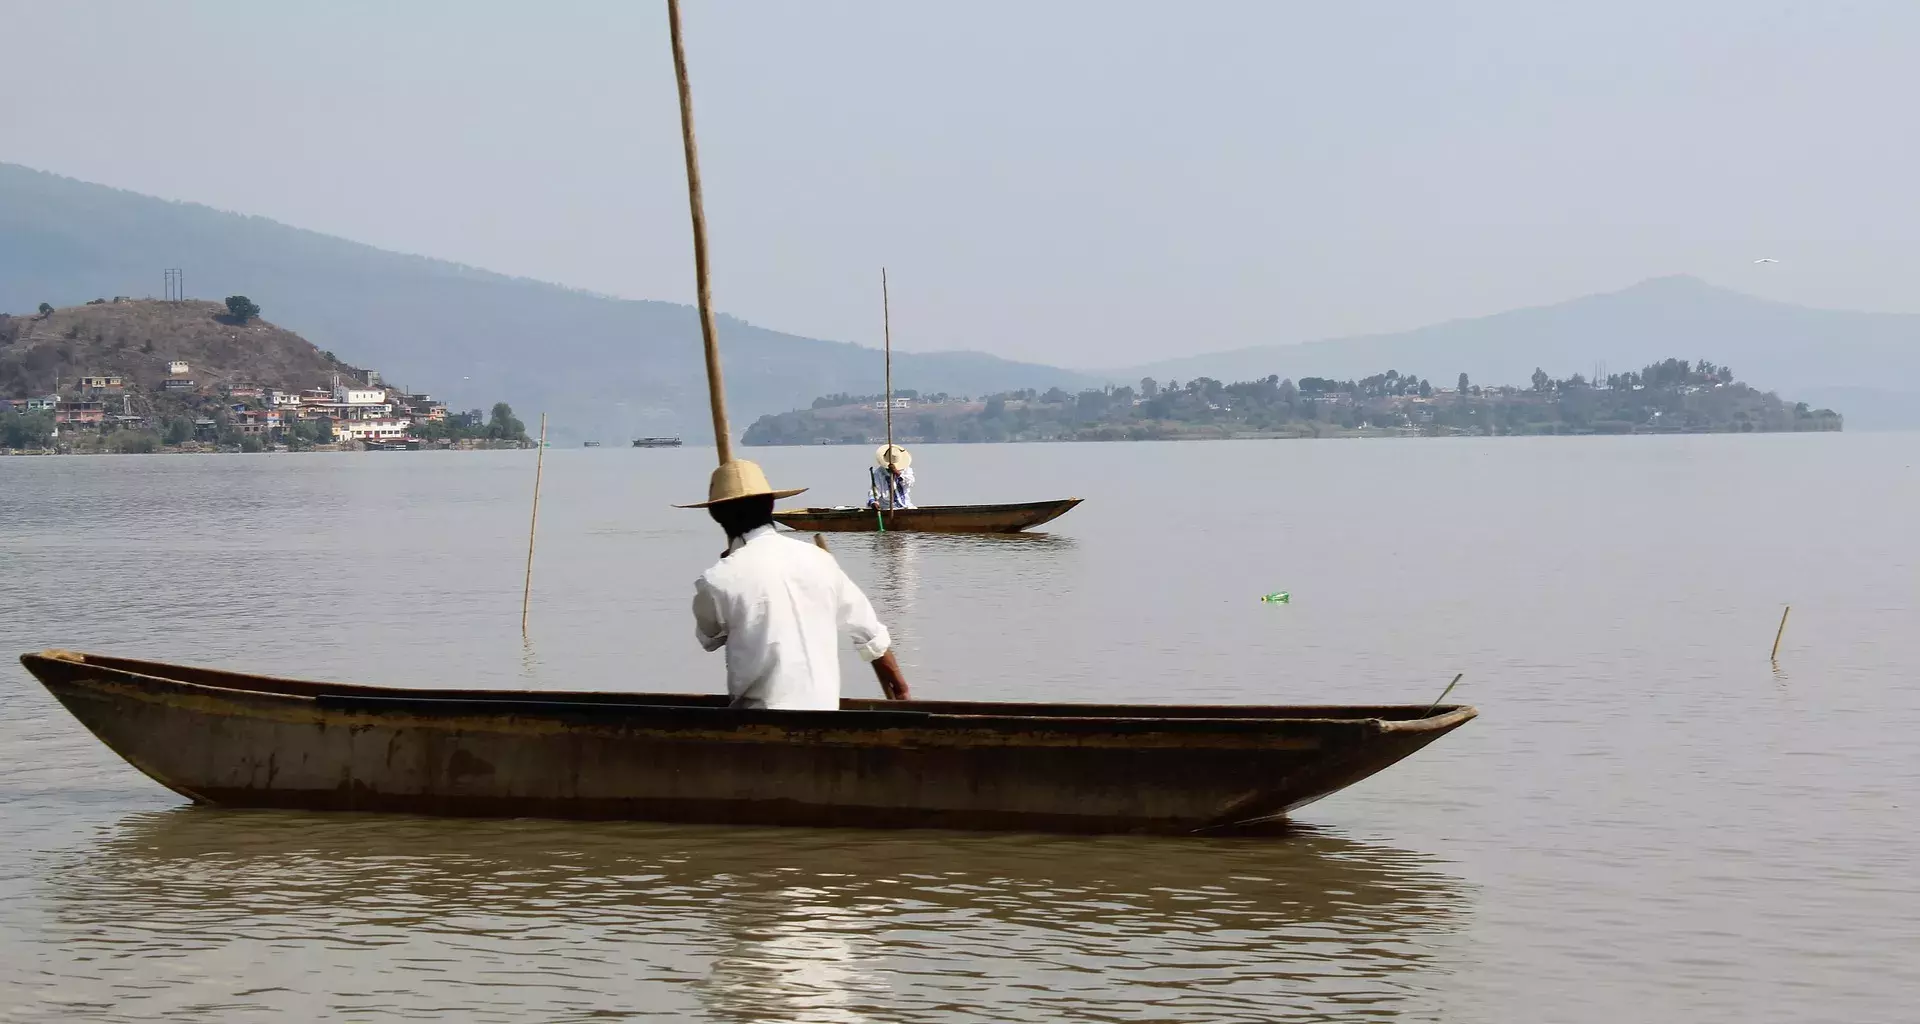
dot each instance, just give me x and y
(137, 338)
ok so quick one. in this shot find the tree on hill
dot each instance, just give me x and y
(242, 308)
(46, 308)
(504, 426)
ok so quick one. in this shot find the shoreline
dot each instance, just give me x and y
(330, 449)
(1336, 434)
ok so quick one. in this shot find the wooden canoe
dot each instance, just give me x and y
(928, 518)
(236, 740)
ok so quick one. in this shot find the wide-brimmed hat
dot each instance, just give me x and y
(740, 478)
(901, 458)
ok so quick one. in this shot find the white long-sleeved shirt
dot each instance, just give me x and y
(778, 606)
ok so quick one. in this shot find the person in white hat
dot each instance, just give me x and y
(779, 605)
(891, 485)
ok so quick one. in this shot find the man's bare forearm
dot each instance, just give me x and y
(892, 683)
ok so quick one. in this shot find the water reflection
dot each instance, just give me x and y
(893, 566)
(897, 576)
(529, 663)
(744, 924)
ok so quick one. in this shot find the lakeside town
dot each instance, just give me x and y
(98, 413)
(114, 388)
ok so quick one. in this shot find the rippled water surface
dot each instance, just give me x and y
(1647, 822)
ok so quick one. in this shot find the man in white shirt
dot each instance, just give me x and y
(779, 605)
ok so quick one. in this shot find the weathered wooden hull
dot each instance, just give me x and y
(248, 741)
(928, 519)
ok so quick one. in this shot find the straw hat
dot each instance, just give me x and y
(740, 478)
(901, 458)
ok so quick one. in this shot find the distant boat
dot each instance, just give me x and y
(928, 518)
(590, 444)
(1003, 518)
(656, 442)
(397, 444)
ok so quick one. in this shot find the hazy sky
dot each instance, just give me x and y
(1088, 183)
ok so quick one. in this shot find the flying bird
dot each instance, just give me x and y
(1766, 261)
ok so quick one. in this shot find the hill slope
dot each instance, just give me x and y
(137, 339)
(600, 366)
(1823, 355)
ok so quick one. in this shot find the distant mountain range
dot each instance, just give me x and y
(602, 367)
(607, 367)
(1866, 365)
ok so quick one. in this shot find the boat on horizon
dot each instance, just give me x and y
(656, 442)
(231, 739)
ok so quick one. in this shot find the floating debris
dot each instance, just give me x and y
(1278, 597)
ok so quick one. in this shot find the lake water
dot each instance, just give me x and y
(1647, 822)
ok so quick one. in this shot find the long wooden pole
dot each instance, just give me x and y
(539, 464)
(716, 391)
(1778, 633)
(886, 328)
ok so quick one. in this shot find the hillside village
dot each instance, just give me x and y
(126, 375)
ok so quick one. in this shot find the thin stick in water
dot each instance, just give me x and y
(1443, 694)
(1777, 634)
(709, 337)
(539, 463)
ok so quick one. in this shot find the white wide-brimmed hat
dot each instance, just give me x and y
(740, 478)
(901, 458)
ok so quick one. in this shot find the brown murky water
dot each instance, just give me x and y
(1648, 822)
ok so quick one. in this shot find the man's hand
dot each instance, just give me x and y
(892, 683)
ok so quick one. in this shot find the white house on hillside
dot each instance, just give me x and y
(379, 430)
(344, 395)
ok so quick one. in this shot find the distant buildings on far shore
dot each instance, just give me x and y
(351, 410)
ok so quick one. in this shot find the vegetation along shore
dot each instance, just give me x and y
(1668, 397)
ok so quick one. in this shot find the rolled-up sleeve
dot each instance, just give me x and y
(858, 621)
(709, 625)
